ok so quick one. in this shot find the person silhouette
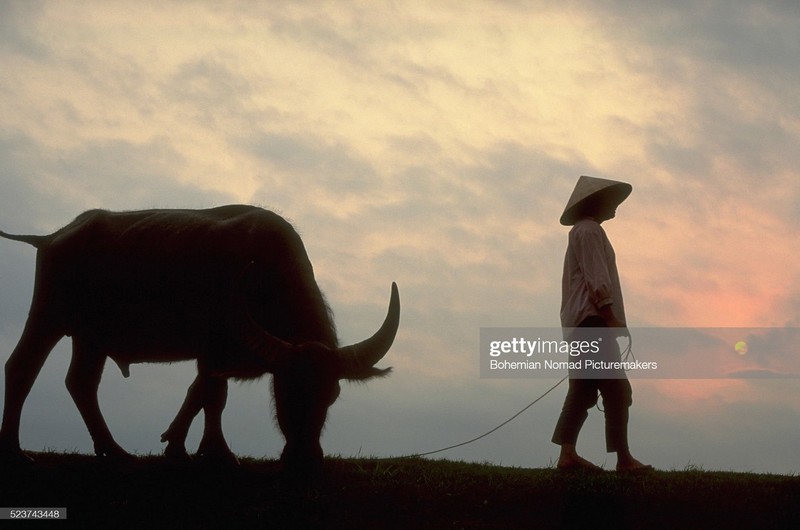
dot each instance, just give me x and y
(592, 299)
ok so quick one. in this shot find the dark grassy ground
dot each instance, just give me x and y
(155, 493)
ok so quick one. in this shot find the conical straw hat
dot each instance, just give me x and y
(591, 189)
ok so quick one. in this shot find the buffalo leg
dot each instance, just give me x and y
(21, 370)
(208, 393)
(213, 445)
(178, 430)
(83, 380)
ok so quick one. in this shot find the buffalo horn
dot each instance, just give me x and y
(357, 358)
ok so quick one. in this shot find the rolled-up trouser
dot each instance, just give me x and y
(582, 395)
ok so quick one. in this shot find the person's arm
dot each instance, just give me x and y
(588, 247)
(608, 315)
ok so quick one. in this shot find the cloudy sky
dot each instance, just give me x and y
(435, 145)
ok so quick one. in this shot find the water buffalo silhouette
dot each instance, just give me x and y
(230, 287)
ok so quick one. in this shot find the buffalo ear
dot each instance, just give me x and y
(262, 351)
(365, 375)
(242, 363)
(241, 373)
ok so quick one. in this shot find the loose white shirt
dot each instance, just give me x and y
(590, 280)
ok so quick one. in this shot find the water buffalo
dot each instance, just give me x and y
(231, 287)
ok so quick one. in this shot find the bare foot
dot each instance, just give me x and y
(573, 462)
(630, 464)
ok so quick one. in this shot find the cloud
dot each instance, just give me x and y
(24, 199)
(739, 36)
(18, 18)
(113, 174)
(323, 173)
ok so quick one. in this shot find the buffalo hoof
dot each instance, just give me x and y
(15, 458)
(11, 454)
(177, 453)
(215, 451)
(221, 458)
(113, 453)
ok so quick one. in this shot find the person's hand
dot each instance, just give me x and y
(610, 318)
(613, 322)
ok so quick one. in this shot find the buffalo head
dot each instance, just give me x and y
(306, 376)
